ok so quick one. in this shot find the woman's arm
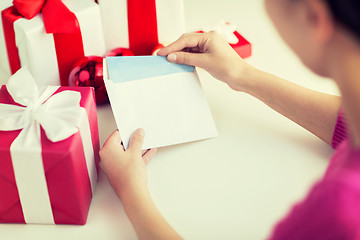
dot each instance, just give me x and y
(145, 216)
(317, 112)
(126, 171)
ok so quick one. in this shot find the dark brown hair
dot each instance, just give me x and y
(347, 13)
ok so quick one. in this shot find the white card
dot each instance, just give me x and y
(163, 98)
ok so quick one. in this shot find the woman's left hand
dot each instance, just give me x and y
(126, 170)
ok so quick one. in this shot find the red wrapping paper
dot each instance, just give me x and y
(243, 47)
(65, 169)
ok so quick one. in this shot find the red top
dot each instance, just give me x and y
(331, 209)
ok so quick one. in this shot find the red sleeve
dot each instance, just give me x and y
(340, 132)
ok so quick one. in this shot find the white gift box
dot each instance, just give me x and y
(37, 50)
(4, 63)
(114, 13)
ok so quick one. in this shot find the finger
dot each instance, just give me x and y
(187, 40)
(149, 155)
(192, 50)
(113, 142)
(193, 59)
(114, 138)
(136, 140)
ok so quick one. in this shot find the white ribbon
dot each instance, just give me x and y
(60, 116)
(226, 30)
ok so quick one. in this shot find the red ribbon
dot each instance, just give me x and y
(29, 9)
(142, 24)
(59, 20)
(9, 16)
(57, 17)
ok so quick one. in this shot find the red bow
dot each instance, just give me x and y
(57, 17)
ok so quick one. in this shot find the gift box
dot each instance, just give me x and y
(4, 66)
(229, 32)
(50, 42)
(141, 24)
(3, 77)
(48, 152)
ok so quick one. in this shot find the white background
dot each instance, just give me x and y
(235, 186)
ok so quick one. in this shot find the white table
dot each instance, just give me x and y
(235, 186)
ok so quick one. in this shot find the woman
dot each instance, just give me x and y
(325, 34)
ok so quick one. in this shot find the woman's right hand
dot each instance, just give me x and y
(211, 52)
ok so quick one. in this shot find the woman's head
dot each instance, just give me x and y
(314, 29)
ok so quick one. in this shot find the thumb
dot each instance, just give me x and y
(193, 59)
(136, 140)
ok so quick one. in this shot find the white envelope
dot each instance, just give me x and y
(164, 98)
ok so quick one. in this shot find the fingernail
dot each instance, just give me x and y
(141, 132)
(171, 57)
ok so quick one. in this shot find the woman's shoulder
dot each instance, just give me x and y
(331, 210)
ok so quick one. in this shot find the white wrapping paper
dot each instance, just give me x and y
(170, 20)
(4, 62)
(37, 49)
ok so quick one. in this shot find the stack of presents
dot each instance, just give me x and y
(53, 51)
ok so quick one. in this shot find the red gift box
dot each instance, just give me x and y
(234, 38)
(242, 47)
(69, 166)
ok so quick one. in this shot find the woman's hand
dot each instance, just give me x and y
(316, 112)
(126, 170)
(211, 52)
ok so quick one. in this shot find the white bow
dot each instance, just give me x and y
(59, 116)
